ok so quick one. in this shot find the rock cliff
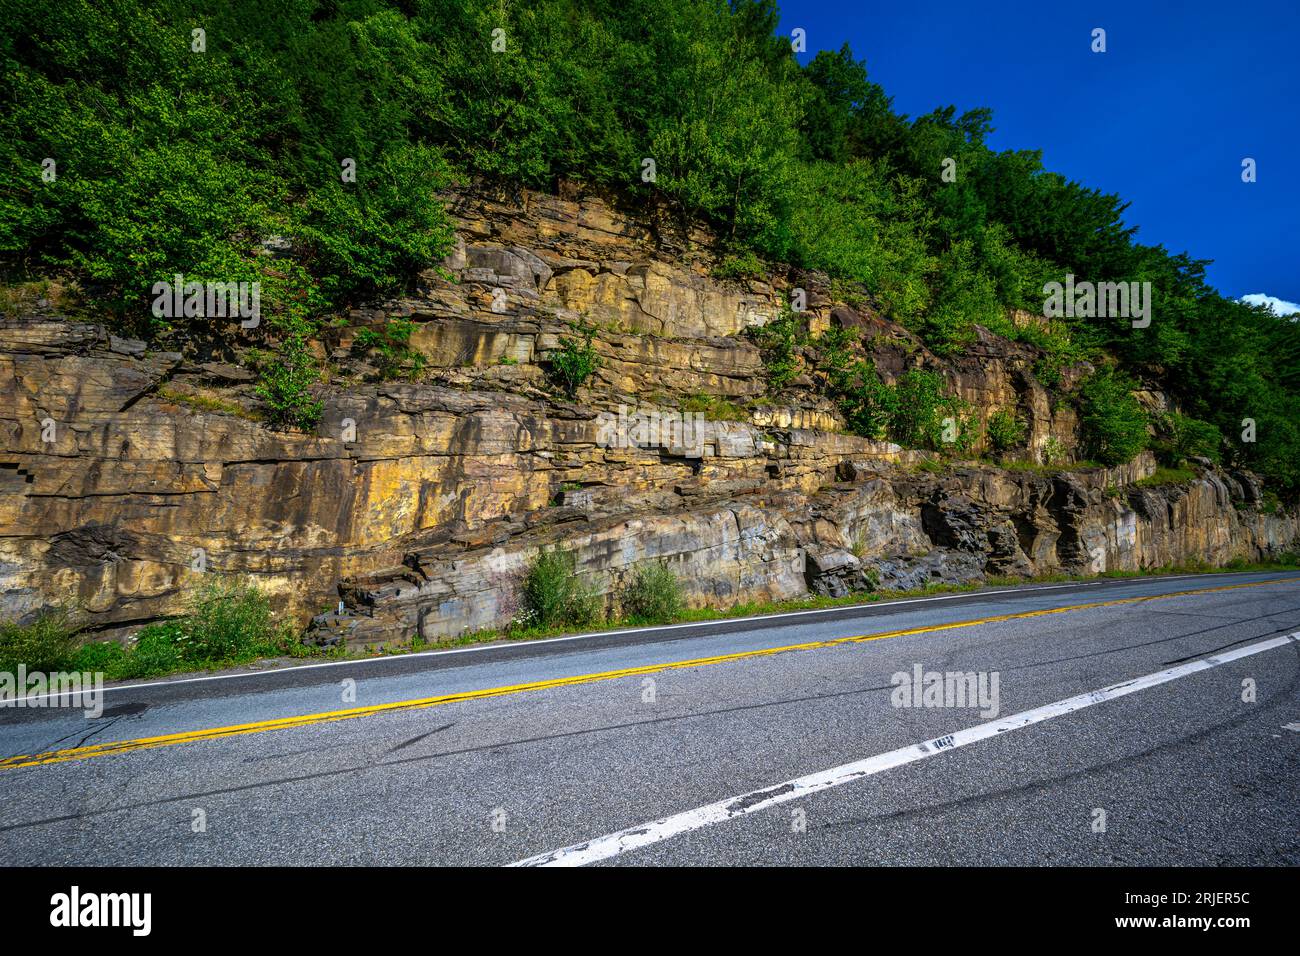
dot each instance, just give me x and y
(126, 471)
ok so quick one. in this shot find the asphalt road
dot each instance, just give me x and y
(733, 750)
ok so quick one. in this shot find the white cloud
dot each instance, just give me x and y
(1276, 306)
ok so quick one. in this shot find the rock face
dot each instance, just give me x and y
(126, 473)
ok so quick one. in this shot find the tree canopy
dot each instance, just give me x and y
(178, 154)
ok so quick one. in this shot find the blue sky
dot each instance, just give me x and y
(1185, 91)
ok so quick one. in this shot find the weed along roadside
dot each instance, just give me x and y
(232, 626)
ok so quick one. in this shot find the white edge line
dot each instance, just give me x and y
(614, 844)
(635, 630)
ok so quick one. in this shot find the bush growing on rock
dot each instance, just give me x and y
(653, 596)
(168, 161)
(1006, 430)
(1183, 437)
(555, 595)
(391, 348)
(778, 340)
(917, 411)
(926, 416)
(575, 363)
(1053, 452)
(1114, 423)
(286, 380)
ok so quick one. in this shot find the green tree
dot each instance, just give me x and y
(1114, 423)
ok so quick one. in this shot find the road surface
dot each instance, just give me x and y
(1145, 721)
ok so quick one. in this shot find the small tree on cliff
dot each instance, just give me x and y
(574, 363)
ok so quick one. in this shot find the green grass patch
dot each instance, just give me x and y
(1167, 476)
(229, 623)
(715, 409)
(1034, 468)
(207, 403)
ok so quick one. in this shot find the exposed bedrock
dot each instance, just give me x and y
(125, 472)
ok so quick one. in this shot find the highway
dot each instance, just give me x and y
(1149, 721)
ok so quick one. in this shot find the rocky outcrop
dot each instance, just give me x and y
(126, 472)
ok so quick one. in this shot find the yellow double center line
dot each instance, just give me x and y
(307, 720)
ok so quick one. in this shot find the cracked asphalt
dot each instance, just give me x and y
(1187, 772)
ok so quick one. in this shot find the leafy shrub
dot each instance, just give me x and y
(1053, 451)
(1114, 425)
(372, 235)
(392, 350)
(745, 265)
(724, 130)
(47, 643)
(963, 296)
(554, 595)
(1060, 350)
(1183, 437)
(574, 363)
(1006, 430)
(868, 405)
(778, 340)
(229, 622)
(1017, 276)
(285, 384)
(926, 416)
(859, 224)
(916, 411)
(653, 596)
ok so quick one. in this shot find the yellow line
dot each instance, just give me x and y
(305, 720)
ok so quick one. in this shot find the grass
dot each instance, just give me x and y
(61, 295)
(715, 409)
(207, 403)
(229, 623)
(932, 466)
(1289, 562)
(1166, 476)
